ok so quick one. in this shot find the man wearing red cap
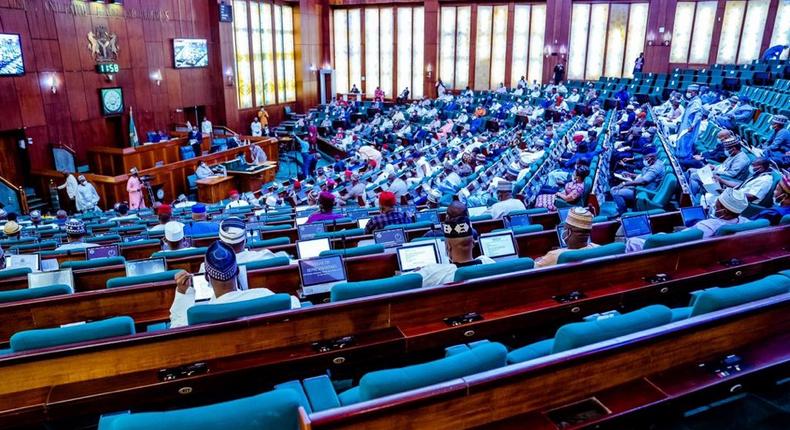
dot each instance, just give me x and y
(164, 212)
(235, 201)
(389, 214)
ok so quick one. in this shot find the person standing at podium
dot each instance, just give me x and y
(135, 189)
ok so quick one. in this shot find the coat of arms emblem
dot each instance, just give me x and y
(103, 44)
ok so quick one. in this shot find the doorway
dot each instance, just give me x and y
(14, 160)
(194, 114)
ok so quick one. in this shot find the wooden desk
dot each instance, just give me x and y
(251, 180)
(111, 161)
(215, 188)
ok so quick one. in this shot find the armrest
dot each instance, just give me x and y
(321, 393)
(296, 387)
(650, 193)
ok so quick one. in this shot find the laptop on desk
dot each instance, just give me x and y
(104, 251)
(498, 246)
(45, 279)
(319, 275)
(310, 231)
(391, 238)
(312, 248)
(414, 256)
(428, 215)
(692, 215)
(563, 214)
(518, 220)
(145, 267)
(31, 261)
(477, 211)
(636, 226)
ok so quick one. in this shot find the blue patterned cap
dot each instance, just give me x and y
(75, 226)
(199, 208)
(221, 262)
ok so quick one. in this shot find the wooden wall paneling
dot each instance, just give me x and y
(511, 12)
(431, 50)
(67, 34)
(30, 102)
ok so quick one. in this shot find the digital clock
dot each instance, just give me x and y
(107, 68)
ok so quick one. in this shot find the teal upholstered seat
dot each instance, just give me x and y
(531, 211)
(203, 236)
(714, 299)
(49, 337)
(45, 244)
(275, 227)
(33, 293)
(269, 242)
(381, 383)
(200, 314)
(483, 217)
(341, 233)
(276, 409)
(730, 229)
(89, 264)
(129, 229)
(352, 290)
(100, 226)
(16, 241)
(188, 252)
(588, 253)
(13, 273)
(666, 239)
(267, 263)
(104, 238)
(785, 220)
(274, 219)
(125, 281)
(483, 270)
(355, 251)
(576, 335)
(521, 229)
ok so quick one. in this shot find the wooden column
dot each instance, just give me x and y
(431, 49)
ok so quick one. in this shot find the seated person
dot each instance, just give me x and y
(75, 232)
(233, 232)
(174, 237)
(755, 187)
(624, 194)
(781, 205)
(236, 201)
(389, 214)
(122, 213)
(203, 171)
(326, 204)
(200, 223)
(222, 273)
(11, 229)
(578, 226)
(460, 243)
(572, 193)
(506, 203)
(742, 113)
(164, 213)
(735, 167)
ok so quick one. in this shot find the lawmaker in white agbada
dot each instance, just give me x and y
(233, 232)
(222, 275)
(506, 203)
(87, 197)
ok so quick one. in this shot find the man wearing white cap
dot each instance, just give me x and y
(727, 210)
(576, 234)
(356, 192)
(233, 232)
(75, 231)
(506, 203)
(755, 187)
(87, 197)
(135, 189)
(174, 236)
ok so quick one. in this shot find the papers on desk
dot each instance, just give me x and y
(622, 177)
(706, 176)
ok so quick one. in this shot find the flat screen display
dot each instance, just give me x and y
(312, 248)
(519, 220)
(390, 238)
(325, 270)
(106, 251)
(190, 53)
(636, 226)
(417, 256)
(497, 245)
(145, 267)
(45, 279)
(309, 231)
(692, 215)
(431, 216)
(11, 62)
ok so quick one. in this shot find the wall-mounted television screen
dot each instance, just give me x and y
(189, 53)
(11, 63)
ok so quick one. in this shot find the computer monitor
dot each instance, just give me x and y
(430, 215)
(312, 248)
(692, 215)
(145, 267)
(477, 211)
(563, 213)
(203, 290)
(498, 245)
(363, 222)
(23, 260)
(104, 251)
(518, 220)
(301, 220)
(45, 279)
(413, 257)
(318, 275)
(310, 231)
(636, 226)
(135, 238)
(390, 238)
(561, 236)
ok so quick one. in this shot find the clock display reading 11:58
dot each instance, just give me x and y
(107, 68)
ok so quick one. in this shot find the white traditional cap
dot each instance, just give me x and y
(232, 231)
(174, 231)
(734, 200)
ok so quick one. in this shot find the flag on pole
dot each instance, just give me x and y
(134, 141)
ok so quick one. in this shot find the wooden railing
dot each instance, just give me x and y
(19, 191)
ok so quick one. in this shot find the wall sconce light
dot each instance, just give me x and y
(52, 83)
(563, 51)
(429, 69)
(157, 77)
(229, 77)
(547, 51)
(313, 68)
(651, 38)
(667, 38)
